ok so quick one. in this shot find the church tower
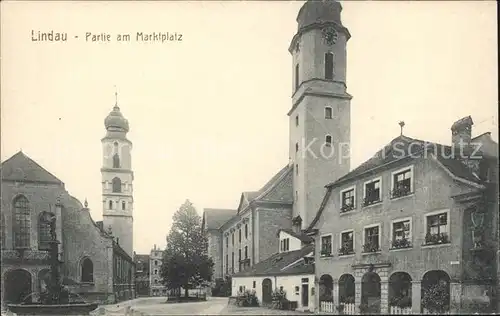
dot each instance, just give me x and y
(320, 114)
(117, 178)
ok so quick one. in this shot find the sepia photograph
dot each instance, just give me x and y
(220, 157)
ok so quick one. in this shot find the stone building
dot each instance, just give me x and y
(155, 280)
(319, 123)
(212, 221)
(290, 269)
(142, 275)
(417, 215)
(93, 264)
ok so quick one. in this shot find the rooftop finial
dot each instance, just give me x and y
(401, 124)
(86, 203)
(116, 96)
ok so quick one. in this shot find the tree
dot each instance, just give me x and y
(186, 263)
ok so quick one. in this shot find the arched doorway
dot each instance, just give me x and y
(17, 286)
(370, 293)
(326, 288)
(347, 290)
(400, 290)
(267, 291)
(435, 293)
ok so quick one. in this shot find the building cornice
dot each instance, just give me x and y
(313, 92)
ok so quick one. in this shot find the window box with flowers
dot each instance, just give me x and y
(346, 250)
(401, 244)
(436, 239)
(400, 191)
(370, 248)
(346, 208)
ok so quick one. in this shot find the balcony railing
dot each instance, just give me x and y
(400, 191)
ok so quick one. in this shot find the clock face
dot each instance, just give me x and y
(330, 35)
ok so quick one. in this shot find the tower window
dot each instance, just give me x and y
(328, 140)
(117, 185)
(123, 205)
(296, 147)
(110, 204)
(116, 161)
(297, 169)
(328, 112)
(296, 195)
(329, 66)
(296, 120)
(296, 76)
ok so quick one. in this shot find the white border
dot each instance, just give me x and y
(412, 178)
(398, 220)
(345, 190)
(371, 181)
(321, 245)
(353, 238)
(447, 211)
(331, 109)
(379, 234)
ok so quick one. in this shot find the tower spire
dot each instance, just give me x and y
(116, 96)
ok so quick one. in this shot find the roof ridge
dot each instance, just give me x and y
(276, 181)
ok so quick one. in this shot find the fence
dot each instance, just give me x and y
(395, 310)
(329, 307)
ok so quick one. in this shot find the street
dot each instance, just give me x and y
(157, 306)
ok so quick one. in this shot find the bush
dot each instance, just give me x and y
(279, 300)
(247, 299)
(401, 301)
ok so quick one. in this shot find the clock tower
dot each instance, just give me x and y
(320, 114)
(117, 178)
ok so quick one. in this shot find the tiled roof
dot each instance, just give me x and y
(215, 218)
(399, 148)
(402, 147)
(281, 264)
(302, 236)
(20, 167)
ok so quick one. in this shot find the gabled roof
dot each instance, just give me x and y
(300, 236)
(403, 147)
(20, 167)
(214, 218)
(285, 263)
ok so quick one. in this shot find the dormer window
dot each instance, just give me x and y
(402, 182)
(347, 198)
(372, 192)
(285, 244)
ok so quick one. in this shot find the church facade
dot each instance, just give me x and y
(95, 261)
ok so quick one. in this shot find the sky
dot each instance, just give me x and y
(207, 114)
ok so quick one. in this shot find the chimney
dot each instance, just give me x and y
(461, 133)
